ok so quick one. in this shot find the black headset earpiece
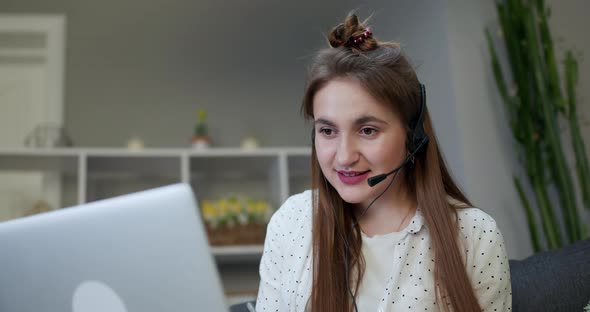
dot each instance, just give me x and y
(418, 138)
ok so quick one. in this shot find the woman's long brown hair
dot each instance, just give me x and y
(382, 69)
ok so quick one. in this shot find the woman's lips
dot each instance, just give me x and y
(352, 177)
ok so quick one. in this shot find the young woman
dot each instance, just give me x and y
(385, 227)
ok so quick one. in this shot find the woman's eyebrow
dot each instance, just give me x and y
(323, 121)
(358, 121)
(366, 119)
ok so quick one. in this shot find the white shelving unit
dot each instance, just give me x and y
(89, 174)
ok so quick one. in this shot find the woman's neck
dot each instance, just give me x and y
(390, 213)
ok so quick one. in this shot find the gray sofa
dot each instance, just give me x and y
(556, 280)
(550, 281)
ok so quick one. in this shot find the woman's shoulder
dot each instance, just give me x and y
(478, 228)
(474, 218)
(474, 215)
(296, 204)
(295, 210)
(471, 217)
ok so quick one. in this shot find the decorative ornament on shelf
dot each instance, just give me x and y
(200, 137)
(135, 144)
(250, 143)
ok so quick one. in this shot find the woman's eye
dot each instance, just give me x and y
(326, 131)
(368, 131)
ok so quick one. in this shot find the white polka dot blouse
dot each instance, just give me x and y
(404, 281)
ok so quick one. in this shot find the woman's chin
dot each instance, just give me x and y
(352, 193)
(352, 197)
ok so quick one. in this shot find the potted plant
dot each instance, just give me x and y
(200, 137)
(236, 220)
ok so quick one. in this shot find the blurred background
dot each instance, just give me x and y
(131, 74)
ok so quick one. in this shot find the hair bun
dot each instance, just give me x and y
(352, 34)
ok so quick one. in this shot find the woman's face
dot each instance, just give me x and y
(356, 137)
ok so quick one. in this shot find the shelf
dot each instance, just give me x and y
(241, 255)
(163, 166)
(238, 250)
(22, 151)
(269, 173)
(39, 162)
(157, 152)
(69, 176)
(262, 151)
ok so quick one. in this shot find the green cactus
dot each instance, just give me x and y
(201, 125)
(535, 106)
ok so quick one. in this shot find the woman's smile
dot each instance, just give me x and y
(352, 177)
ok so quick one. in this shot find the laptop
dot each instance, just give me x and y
(142, 252)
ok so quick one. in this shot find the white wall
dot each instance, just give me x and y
(146, 71)
(421, 27)
(486, 141)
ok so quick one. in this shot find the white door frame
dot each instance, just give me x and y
(54, 26)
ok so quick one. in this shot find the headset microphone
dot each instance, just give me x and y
(378, 178)
(418, 140)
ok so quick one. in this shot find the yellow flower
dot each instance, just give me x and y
(261, 206)
(234, 205)
(252, 207)
(201, 114)
(209, 210)
(223, 207)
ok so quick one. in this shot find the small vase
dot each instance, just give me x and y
(200, 142)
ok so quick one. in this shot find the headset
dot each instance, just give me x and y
(417, 141)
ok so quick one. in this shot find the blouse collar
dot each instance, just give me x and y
(416, 223)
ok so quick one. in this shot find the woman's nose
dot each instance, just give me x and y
(347, 153)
